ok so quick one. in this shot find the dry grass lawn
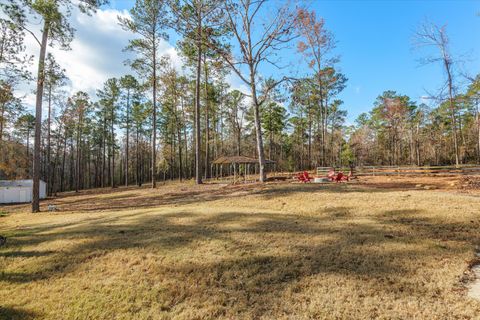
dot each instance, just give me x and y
(277, 251)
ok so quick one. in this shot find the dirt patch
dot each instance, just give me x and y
(412, 182)
(471, 183)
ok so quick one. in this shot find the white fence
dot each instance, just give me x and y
(407, 170)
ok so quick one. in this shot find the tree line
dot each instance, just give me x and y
(160, 123)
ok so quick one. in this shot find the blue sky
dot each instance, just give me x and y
(376, 45)
(374, 41)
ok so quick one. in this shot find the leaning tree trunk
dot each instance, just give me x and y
(38, 120)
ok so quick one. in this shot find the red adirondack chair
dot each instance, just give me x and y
(341, 177)
(308, 178)
(304, 177)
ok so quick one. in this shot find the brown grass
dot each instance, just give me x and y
(274, 251)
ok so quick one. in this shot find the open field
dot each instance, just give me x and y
(379, 248)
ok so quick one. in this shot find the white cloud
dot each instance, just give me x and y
(96, 52)
(237, 84)
(426, 100)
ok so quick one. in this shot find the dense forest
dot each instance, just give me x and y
(161, 123)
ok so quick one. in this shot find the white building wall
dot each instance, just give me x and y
(43, 190)
(19, 191)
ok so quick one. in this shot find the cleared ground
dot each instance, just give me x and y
(377, 248)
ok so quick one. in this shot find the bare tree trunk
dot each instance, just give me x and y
(417, 145)
(2, 114)
(77, 166)
(55, 164)
(239, 141)
(154, 119)
(62, 176)
(270, 145)
(309, 140)
(478, 132)
(207, 124)
(171, 161)
(112, 133)
(185, 138)
(104, 139)
(179, 137)
(38, 120)
(137, 164)
(180, 163)
(72, 165)
(198, 165)
(454, 124)
(88, 160)
(28, 147)
(258, 128)
(49, 184)
(109, 164)
(127, 138)
(447, 65)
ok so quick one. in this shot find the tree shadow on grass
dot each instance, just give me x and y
(131, 198)
(25, 254)
(264, 253)
(334, 188)
(139, 201)
(429, 228)
(16, 314)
